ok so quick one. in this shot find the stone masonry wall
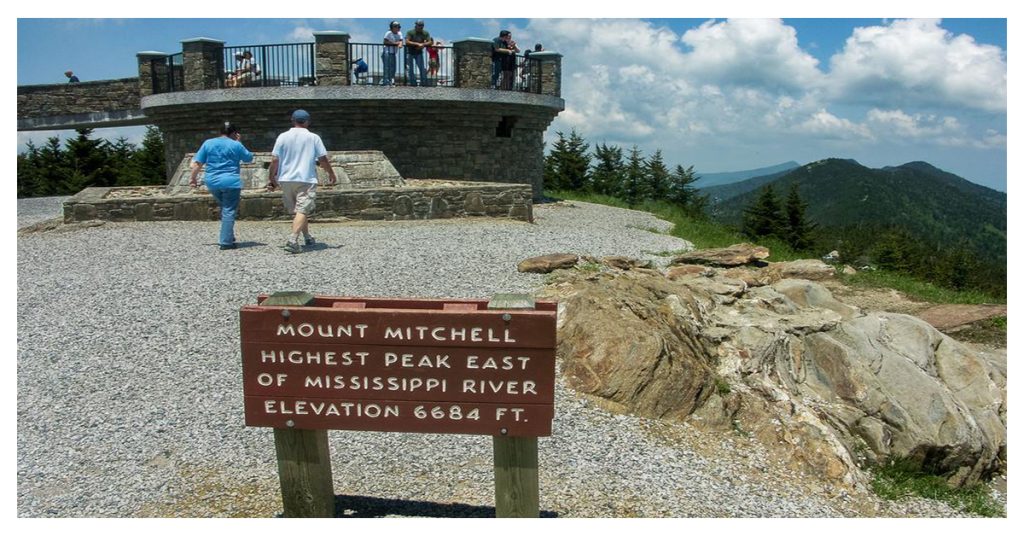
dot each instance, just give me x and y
(404, 203)
(81, 98)
(423, 139)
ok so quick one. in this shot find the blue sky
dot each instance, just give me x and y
(718, 94)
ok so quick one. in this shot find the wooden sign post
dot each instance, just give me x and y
(311, 364)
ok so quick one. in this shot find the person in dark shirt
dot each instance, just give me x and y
(503, 57)
(72, 79)
(415, 41)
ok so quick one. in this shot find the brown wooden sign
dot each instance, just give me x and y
(437, 366)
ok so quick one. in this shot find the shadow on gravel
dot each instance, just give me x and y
(361, 506)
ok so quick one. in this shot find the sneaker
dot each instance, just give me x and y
(233, 245)
(309, 240)
(293, 247)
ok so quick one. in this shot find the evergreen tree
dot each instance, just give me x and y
(895, 250)
(149, 162)
(798, 230)
(657, 177)
(553, 179)
(575, 164)
(682, 192)
(608, 171)
(88, 162)
(763, 217)
(957, 268)
(122, 163)
(633, 185)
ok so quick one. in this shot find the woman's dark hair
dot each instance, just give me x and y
(229, 129)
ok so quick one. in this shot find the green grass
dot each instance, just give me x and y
(916, 288)
(901, 478)
(703, 234)
(708, 234)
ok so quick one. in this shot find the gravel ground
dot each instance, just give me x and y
(37, 209)
(129, 384)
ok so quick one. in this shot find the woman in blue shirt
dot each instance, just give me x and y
(222, 157)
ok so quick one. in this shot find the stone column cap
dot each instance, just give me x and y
(473, 40)
(151, 53)
(203, 40)
(338, 33)
(545, 54)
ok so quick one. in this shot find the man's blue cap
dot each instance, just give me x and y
(300, 116)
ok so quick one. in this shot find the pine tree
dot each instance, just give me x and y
(575, 164)
(633, 184)
(682, 192)
(798, 230)
(895, 250)
(553, 179)
(149, 161)
(763, 217)
(89, 163)
(122, 163)
(657, 177)
(608, 171)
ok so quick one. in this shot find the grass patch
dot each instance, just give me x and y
(988, 331)
(706, 234)
(900, 479)
(917, 289)
(703, 234)
(722, 386)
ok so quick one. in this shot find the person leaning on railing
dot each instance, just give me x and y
(392, 42)
(415, 40)
(503, 59)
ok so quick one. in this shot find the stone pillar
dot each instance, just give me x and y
(472, 63)
(547, 67)
(152, 78)
(204, 63)
(332, 66)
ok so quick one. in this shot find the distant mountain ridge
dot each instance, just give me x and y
(707, 180)
(933, 204)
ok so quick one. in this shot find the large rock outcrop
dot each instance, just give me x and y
(832, 388)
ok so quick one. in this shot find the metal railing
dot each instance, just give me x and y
(525, 75)
(292, 64)
(394, 67)
(168, 73)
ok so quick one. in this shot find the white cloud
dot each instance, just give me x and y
(825, 125)
(759, 52)
(302, 34)
(902, 124)
(917, 61)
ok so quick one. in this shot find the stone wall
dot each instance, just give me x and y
(81, 98)
(416, 202)
(425, 136)
(473, 63)
(353, 169)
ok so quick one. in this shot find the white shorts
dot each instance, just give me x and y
(298, 197)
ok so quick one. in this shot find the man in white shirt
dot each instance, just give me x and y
(295, 157)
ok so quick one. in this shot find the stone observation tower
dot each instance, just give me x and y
(453, 127)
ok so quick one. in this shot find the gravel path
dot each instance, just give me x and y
(129, 391)
(37, 209)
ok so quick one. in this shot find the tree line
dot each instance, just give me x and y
(52, 169)
(634, 178)
(626, 175)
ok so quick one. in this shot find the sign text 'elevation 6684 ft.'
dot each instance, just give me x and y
(440, 366)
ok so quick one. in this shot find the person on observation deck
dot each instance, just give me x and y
(72, 79)
(392, 42)
(415, 41)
